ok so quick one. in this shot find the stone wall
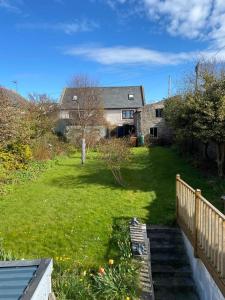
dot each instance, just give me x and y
(146, 119)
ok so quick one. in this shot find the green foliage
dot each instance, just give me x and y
(23, 153)
(201, 115)
(5, 255)
(72, 284)
(117, 282)
(112, 282)
(9, 161)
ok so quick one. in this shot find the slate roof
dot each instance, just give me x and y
(112, 97)
(19, 279)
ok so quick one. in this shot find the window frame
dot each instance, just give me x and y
(131, 97)
(131, 111)
(159, 112)
(154, 133)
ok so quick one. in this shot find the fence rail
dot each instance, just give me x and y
(204, 225)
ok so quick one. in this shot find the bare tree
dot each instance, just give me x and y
(116, 154)
(88, 107)
(42, 114)
(9, 118)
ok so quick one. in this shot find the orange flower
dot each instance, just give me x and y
(101, 271)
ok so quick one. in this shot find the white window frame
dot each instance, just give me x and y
(127, 110)
(131, 97)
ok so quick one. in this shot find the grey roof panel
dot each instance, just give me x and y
(112, 97)
(14, 280)
(16, 277)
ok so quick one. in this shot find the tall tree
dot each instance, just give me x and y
(88, 107)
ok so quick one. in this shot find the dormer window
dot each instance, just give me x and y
(130, 97)
(75, 98)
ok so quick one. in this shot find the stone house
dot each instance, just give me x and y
(120, 105)
(149, 121)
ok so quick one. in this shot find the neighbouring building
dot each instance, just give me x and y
(120, 105)
(150, 122)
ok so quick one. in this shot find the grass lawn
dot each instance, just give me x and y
(69, 210)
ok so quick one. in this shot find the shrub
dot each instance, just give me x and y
(9, 160)
(48, 146)
(115, 153)
(23, 153)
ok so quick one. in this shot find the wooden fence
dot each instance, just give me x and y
(204, 225)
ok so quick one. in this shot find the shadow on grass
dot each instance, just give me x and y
(148, 173)
(152, 172)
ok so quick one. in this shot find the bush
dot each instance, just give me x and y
(115, 153)
(9, 161)
(48, 146)
(23, 153)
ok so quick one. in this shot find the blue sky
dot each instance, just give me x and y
(117, 42)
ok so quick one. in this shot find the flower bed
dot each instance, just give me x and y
(116, 280)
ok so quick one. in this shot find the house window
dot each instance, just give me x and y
(127, 114)
(130, 97)
(154, 132)
(64, 115)
(75, 98)
(159, 112)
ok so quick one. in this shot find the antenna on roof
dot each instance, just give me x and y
(16, 84)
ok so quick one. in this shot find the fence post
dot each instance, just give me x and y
(177, 200)
(196, 221)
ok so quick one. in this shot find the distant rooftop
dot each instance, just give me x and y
(112, 97)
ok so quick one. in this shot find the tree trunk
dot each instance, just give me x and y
(83, 151)
(205, 150)
(220, 158)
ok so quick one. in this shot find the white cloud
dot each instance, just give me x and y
(67, 27)
(193, 19)
(137, 55)
(11, 5)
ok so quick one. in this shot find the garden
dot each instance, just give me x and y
(52, 205)
(70, 211)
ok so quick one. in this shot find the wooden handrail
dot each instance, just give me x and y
(213, 207)
(204, 225)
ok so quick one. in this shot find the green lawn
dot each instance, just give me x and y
(69, 210)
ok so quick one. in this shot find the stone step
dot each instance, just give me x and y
(169, 258)
(169, 249)
(167, 295)
(173, 282)
(166, 237)
(171, 271)
(161, 229)
(167, 269)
